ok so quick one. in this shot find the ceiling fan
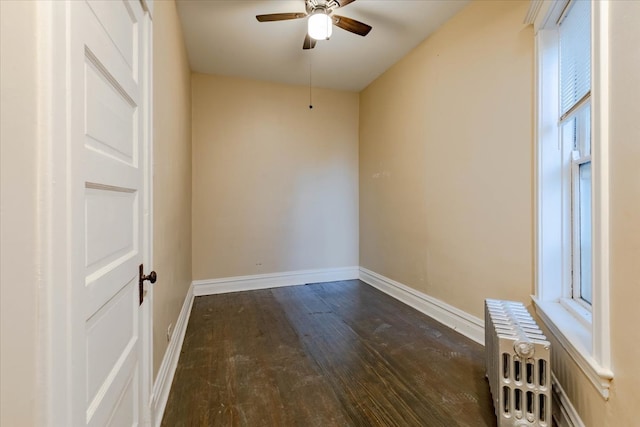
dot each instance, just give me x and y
(320, 20)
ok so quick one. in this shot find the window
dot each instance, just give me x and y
(574, 33)
(571, 268)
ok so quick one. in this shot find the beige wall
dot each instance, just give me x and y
(624, 140)
(18, 187)
(171, 173)
(446, 161)
(275, 184)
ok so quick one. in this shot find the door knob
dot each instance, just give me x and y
(152, 277)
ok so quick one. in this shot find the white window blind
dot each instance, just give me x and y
(575, 54)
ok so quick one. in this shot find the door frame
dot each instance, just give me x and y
(60, 334)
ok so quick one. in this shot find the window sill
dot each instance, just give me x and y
(579, 312)
(576, 339)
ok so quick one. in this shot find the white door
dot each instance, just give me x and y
(107, 77)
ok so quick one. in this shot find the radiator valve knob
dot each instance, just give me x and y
(524, 349)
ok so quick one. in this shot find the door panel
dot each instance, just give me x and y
(127, 411)
(105, 344)
(111, 226)
(120, 23)
(111, 118)
(107, 128)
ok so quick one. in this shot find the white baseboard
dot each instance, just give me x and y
(456, 319)
(162, 385)
(564, 412)
(272, 280)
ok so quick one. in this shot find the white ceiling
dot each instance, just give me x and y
(223, 37)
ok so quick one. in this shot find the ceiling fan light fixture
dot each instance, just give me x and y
(320, 26)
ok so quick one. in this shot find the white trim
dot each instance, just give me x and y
(566, 414)
(600, 180)
(272, 280)
(146, 312)
(575, 339)
(162, 385)
(456, 319)
(54, 405)
(540, 11)
(533, 11)
(147, 5)
(579, 310)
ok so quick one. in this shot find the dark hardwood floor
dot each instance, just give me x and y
(327, 354)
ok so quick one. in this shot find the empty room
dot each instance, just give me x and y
(320, 213)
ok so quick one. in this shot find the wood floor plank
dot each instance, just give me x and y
(331, 354)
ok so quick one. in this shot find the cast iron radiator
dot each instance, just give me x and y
(517, 357)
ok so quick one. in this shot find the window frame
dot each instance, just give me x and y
(574, 290)
(583, 333)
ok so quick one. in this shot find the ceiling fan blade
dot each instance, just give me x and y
(280, 16)
(309, 43)
(351, 25)
(343, 3)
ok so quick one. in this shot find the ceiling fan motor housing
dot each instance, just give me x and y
(326, 6)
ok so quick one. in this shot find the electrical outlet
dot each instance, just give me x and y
(169, 330)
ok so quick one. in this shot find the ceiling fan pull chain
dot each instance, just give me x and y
(310, 95)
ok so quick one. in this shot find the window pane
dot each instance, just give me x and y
(575, 54)
(585, 140)
(569, 134)
(585, 231)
